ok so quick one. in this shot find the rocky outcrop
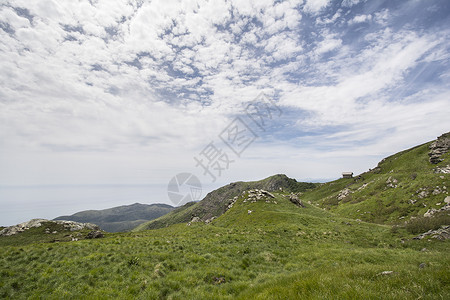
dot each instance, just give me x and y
(443, 170)
(255, 195)
(294, 199)
(68, 225)
(95, 234)
(231, 203)
(391, 182)
(433, 211)
(439, 147)
(442, 233)
(344, 193)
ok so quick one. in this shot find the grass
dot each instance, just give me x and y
(390, 193)
(37, 235)
(423, 224)
(334, 248)
(279, 251)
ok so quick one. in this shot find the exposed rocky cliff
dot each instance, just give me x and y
(439, 147)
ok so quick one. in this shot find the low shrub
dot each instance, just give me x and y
(423, 224)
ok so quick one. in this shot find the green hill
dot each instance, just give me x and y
(216, 202)
(121, 218)
(278, 251)
(262, 245)
(403, 186)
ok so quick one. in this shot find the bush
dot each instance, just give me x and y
(423, 224)
(333, 201)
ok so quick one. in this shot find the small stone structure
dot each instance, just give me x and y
(347, 174)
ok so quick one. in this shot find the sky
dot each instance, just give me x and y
(131, 93)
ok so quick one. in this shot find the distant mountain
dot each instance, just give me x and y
(121, 218)
(216, 202)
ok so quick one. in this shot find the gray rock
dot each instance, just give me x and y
(386, 273)
(391, 182)
(255, 195)
(294, 199)
(443, 170)
(442, 234)
(344, 193)
(195, 219)
(95, 234)
(68, 225)
(439, 147)
(433, 211)
(447, 200)
(209, 220)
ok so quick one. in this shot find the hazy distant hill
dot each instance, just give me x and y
(121, 218)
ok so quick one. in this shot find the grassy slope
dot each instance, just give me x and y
(279, 251)
(379, 203)
(215, 203)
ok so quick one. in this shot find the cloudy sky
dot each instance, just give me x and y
(132, 93)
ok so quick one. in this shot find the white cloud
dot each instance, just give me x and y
(328, 45)
(147, 86)
(350, 3)
(314, 6)
(360, 19)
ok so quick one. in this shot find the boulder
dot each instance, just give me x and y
(443, 170)
(294, 199)
(256, 194)
(447, 200)
(343, 193)
(442, 234)
(207, 221)
(432, 211)
(439, 147)
(95, 234)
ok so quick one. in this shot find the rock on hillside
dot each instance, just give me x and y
(68, 225)
(439, 147)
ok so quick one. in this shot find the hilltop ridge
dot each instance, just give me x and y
(402, 186)
(215, 203)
